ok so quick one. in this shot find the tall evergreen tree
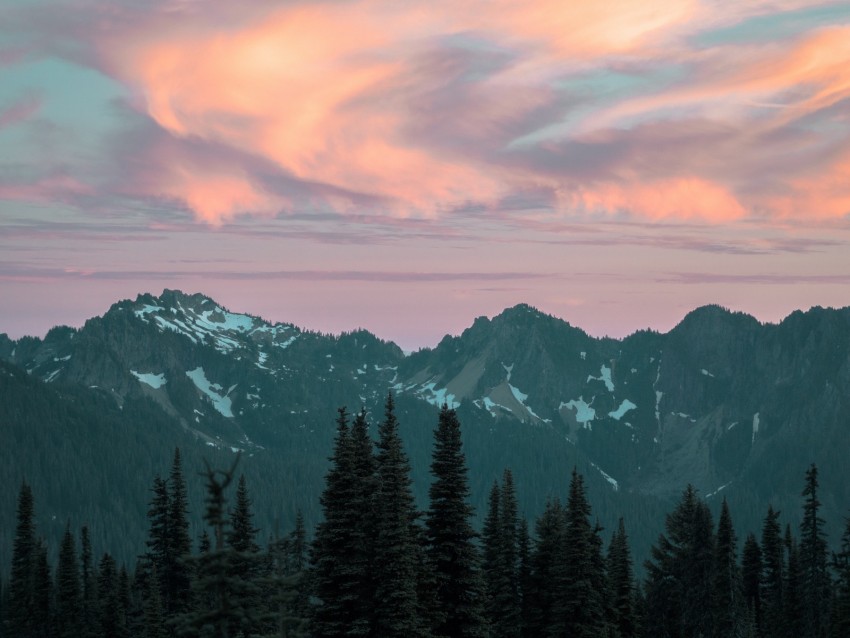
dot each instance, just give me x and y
(525, 577)
(506, 617)
(111, 621)
(751, 570)
(491, 540)
(361, 514)
(772, 553)
(450, 538)
(621, 577)
(21, 611)
(334, 573)
(580, 606)
(729, 611)
(548, 573)
(221, 610)
(177, 577)
(68, 589)
(42, 584)
(88, 572)
(813, 561)
(793, 595)
(678, 586)
(397, 560)
(245, 559)
(841, 565)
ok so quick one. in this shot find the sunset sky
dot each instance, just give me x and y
(406, 166)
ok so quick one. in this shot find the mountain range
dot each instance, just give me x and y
(733, 406)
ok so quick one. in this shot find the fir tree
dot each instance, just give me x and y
(42, 590)
(491, 539)
(397, 559)
(751, 569)
(110, 615)
(362, 522)
(841, 565)
(221, 593)
(772, 552)
(621, 577)
(245, 558)
(68, 594)
(334, 574)
(505, 594)
(88, 572)
(177, 577)
(21, 610)
(793, 596)
(581, 605)
(727, 598)
(549, 573)
(450, 538)
(813, 561)
(525, 578)
(678, 586)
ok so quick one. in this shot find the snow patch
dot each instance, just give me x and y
(605, 377)
(438, 396)
(625, 406)
(583, 355)
(584, 413)
(607, 477)
(755, 426)
(221, 402)
(706, 373)
(521, 397)
(508, 369)
(156, 381)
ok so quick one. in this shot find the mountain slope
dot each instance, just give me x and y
(733, 406)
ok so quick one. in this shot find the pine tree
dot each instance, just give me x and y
(525, 578)
(772, 552)
(491, 540)
(751, 570)
(221, 610)
(450, 538)
(177, 577)
(362, 523)
(841, 565)
(397, 559)
(159, 553)
(813, 561)
(21, 610)
(245, 567)
(88, 572)
(68, 594)
(505, 595)
(727, 598)
(580, 606)
(42, 586)
(793, 600)
(109, 599)
(334, 573)
(621, 578)
(548, 574)
(678, 585)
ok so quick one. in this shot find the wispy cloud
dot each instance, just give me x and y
(416, 109)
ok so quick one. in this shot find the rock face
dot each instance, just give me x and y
(736, 408)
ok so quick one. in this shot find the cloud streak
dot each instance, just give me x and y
(419, 110)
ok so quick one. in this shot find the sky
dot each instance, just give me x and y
(407, 166)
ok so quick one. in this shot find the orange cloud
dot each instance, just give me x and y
(331, 93)
(679, 198)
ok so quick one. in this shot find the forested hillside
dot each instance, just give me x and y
(375, 565)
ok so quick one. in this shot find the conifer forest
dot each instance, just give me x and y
(376, 566)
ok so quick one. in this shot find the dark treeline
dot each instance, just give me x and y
(378, 567)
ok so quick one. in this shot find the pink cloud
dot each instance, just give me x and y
(419, 109)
